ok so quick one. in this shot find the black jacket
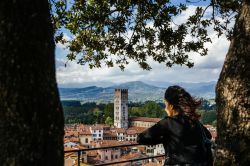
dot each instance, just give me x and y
(181, 138)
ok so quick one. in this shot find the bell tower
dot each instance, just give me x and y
(121, 108)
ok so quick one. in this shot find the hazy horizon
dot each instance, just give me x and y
(109, 84)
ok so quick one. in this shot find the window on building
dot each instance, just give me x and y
(86, 140)
(106, 157)
(100, 135)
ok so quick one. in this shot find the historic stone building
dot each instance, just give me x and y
(142, 121)
(121, 108)
(121, 119)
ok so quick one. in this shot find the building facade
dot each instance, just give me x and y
(143, 121)
(121, 108)
(97, 132)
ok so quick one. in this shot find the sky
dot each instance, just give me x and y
(206, 68)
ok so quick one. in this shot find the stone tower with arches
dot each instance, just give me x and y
(121, 108)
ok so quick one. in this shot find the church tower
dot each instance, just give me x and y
(121, 108)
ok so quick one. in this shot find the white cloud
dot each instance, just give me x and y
(61, 45)
(206, 68)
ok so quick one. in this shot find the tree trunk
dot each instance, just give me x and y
(31, 117)
(233, 97)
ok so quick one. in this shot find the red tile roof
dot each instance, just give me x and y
(109, 134)
(92, 153)
(75, 139)
(119, 130)
(99, 127)
(108, 143)
(132, 132)
(138, 129)
(144, 119)
(132, 156)
(152, 164)
(85, 131)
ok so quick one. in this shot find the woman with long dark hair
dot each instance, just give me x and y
(180, 132)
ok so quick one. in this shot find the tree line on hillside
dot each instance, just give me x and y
(92, 113)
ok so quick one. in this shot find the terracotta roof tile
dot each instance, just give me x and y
(92, 153)
(132, 156)
(99, 127)
(109, 134)
(108, 143)
(144, 119)
(120, 130)
(85, 131)
(74, 139)
(152, 164)
(132, 132)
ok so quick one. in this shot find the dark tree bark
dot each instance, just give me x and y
(233, 97)
(31, 117)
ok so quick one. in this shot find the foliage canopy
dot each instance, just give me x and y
(113, 31)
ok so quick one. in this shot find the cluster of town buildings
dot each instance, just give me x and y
(123, 132)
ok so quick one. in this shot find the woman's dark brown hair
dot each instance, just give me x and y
(182, 101)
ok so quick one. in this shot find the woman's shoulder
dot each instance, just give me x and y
(172, 124)
(169, 120)
(177, 120)
(175, 117)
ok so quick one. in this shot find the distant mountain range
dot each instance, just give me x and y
(138, 91)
